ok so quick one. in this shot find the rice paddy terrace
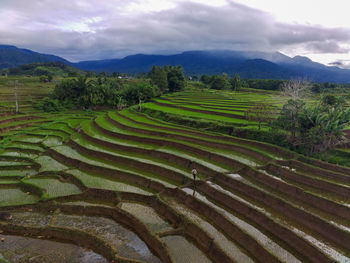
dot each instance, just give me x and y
(230, 108)
(117, 187)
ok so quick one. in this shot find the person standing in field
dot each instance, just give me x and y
(194, 173)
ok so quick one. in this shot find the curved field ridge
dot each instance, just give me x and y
(119, 184)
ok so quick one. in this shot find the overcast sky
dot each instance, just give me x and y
(98, 29)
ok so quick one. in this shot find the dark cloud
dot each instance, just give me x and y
(336, 63)
(341, 64)
(103, 29)
(327, 47)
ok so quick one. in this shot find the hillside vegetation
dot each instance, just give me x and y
(11, 56)
(44, 69)
(116, 184)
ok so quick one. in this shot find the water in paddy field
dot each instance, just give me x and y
(326, 248)
(103, 182)
(18, 249)
(230, 248)
(52, 141)
(264, 240)
(53, 187)
(15, 196)
(127, 243)
(34, 219)
(147, 215)
(184, 251)
(47, 163)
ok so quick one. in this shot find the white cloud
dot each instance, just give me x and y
(80, 30)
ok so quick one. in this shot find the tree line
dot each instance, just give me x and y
(308, 128)
(83, 92)
(225, 82)
(312, 128)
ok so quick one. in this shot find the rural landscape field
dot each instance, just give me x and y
(116, 186)
(197, 131)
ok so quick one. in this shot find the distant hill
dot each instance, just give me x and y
(11, 56)
(247, 64)
(47, 68)
(273, 65)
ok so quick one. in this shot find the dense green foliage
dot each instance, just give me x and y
(87, 93)
(235, 83)
(223, 82)
(220, 82)
(48, 105)
(314, 128)
(260, 112)
(45, 69)
(168, 78)
(265, 84)
(159, 77)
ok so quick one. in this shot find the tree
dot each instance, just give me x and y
(265, 84)
(236, 82)
(176, 78)
(120, 103)
(321, 127)
(295, 89)
(90, 74)
(314, 128)
(288, 118)
(48, 105)
(260, 112)
(49, 77)
(220, 83)
(206, 79)
(159, 78)
(16, 98)
(329, 100)
(316, 88)
(77, 90)
(43, 78)
(5, 72)
(139, 92)
(15, 84)
(115, 74)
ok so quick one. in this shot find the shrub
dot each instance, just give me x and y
(49, 105)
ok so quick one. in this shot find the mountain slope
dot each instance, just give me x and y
(11, 56)
(247, 64)
(45, 68)
(252, 64)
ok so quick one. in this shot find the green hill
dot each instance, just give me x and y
(49, 68)
(11, 56)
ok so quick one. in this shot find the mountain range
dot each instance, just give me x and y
(252, 64)
(11, 56)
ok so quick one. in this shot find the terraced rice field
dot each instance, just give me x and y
(117, 187)
(228, 108)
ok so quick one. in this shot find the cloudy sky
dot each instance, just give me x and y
(97, 29)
